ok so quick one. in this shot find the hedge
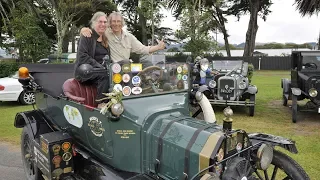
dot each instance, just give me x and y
(8, 68)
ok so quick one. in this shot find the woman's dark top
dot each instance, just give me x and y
(100, 53)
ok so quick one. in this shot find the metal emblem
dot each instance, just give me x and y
(136, 80)
(226, 86)
(66, 157)
(126, 91)
(96, 126)
(126, 78)
(66, 146)
(116, 68)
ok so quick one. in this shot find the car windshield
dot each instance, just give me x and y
(150, 76)
(311, 62)
(227, 66)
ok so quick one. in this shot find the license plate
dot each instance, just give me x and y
(226, 91)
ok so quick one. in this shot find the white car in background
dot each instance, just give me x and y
(11, 90)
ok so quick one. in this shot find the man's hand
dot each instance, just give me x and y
(86, 32)
(161, 45)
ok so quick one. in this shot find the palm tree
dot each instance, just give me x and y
(308, 7)
(6, 7)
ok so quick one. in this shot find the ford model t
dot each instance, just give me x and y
(225, 83)
(146, 133)
(304, 83)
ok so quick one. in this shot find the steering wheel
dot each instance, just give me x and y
(149, 78)
(311, 65)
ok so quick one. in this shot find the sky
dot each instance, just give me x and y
(283, 24)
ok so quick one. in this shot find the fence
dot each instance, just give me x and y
(259, 63)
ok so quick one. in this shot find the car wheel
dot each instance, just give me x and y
(284, 100)
(27, 98)
(32, 172)
(283, 167)
(294, 108)
(251, 108)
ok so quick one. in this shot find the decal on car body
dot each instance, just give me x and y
(96, 126)
(73, 116)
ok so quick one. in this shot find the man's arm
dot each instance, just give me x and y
(139, 48)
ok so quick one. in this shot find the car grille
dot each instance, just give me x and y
(226, 89)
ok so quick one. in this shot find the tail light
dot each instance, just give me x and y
(1, 88)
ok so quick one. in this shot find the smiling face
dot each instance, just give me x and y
(116, 23)
(101, 25)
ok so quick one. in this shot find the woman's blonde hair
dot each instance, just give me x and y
(113, 14)
(94, 22)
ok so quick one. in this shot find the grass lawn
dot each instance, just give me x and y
(270, 117)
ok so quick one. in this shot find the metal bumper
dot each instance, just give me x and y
(232, 103)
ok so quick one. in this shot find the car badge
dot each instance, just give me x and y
(96, 126)
(226, 86)
(117, 87)
(202, 74)
(179, 69)
(126, 78)
(136, 80)
(184, 77)
(185, 69)
(117, 78)
(56, 149)
(179, 76)
(66, 146)
(56, 161)
(116, 68)
(136, 90)
(126, 91)
(136, 67)
(180, 84)
(66, 156)
(126, 68)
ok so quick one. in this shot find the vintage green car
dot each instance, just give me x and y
(146, 133)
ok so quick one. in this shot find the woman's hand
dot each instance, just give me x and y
(86, 32)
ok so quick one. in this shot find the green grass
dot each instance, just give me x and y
(270, 117)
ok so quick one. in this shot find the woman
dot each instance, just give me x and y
(92, 50)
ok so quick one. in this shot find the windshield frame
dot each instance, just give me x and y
(229, 68)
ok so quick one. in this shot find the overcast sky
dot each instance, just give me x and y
(284, 24)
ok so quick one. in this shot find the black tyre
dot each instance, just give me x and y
(294, 108)
(27, 98)
(283, 167)
(284, 100)
(31, 170)
(251, 108)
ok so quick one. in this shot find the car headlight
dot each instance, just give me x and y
(242, 85)
(212, 84)
(117, 109)
(265, 156)
(313, 92)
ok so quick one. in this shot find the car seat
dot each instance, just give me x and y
(79, 92)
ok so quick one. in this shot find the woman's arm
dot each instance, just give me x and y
(83, 53)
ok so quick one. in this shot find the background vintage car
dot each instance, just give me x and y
(11, 90)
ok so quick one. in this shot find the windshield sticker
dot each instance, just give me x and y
(136, 67)
(116, 68)
(126, 91)
(96, 126)
(117, 78)
(126, 78)
(136, 80)
(136, 90)
(126, 68)
(117, 87)
(179, 69)
(73, 116)
(125, 134)
(184, 77)
(179, 76)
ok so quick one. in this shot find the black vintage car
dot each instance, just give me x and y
(304, 83)
(225, 83)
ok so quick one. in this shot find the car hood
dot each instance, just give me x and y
(9, 81)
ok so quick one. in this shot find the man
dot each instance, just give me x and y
(123, 43)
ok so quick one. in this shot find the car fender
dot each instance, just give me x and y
(252, 89)
(34, 121)
(273, 140)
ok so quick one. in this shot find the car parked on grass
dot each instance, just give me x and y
(228, 86)
(304, 83)
(11, 90)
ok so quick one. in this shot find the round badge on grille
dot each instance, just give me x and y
(116, 68)
(126, 78)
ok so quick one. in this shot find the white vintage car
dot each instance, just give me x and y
(11, 90)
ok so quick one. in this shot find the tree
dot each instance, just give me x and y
(63, 13)
(255, 8)
(32, 42)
